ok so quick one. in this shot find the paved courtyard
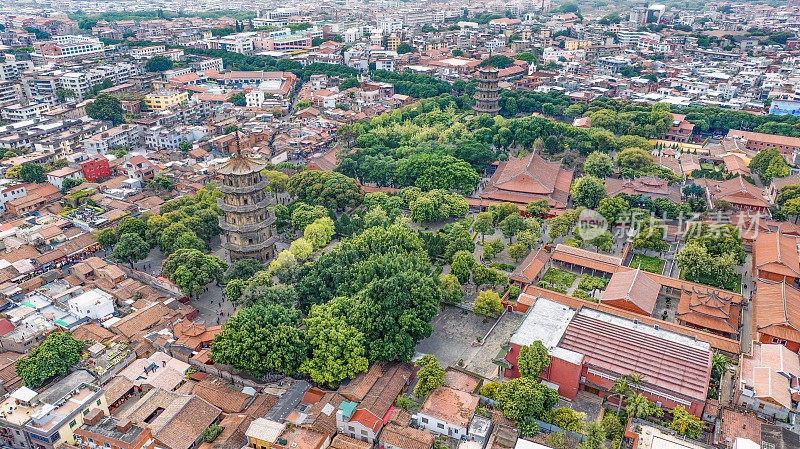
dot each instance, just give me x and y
(454, 332)
(585, 402)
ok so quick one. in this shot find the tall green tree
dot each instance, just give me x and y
(261, 340)
(55, 356)
(620, 389)
(31, 172)
(243, 269)
(598, 164)
(588, 191)
(158, 63)
(512, 225)
(191, 270)
(524, 397)
(640, 407)
(538, 208)
(487, 304)
(430, 376)
(106, 238)
(106, 107)
(532, 359)
(130, 249)
(338, 349)
(685, 423)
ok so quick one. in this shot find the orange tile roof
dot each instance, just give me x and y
(406, 437)
(776, 310)
(522, 179)
(451, 406)
(710, 308)
(767, 370)
(772, 139)
(777, 253)
(633, 288)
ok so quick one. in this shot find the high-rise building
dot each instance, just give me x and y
(247, 223)
(487, 92)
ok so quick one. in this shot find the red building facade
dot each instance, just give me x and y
(589, 350)
(95, 168)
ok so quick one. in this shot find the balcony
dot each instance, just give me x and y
(249, 248)
(243, 189)
(263, 204)
(250, 227)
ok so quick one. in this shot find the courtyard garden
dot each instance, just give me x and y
(557, 280)
(647, 263)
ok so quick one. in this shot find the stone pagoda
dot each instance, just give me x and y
(248, 224)
(487, 92)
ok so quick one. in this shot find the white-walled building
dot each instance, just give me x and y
(448, 411)
(93, 304)
(57, 177)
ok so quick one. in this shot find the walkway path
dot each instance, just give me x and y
(574, 285)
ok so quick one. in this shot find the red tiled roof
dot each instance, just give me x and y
(776, 310)
(651, 186)
(633, 288)
(367, 419)
(777, 253)
(710, 309)
(519, 180)
(667, 364)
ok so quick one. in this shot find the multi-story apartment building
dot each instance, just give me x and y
(95, 168)
(66, 48)
(416, 17)
(11, 69)
(9, 92)
(627, 37)
(238, 43)
(18, 112)
(390, 25)
(9, 190)
(286, 42)
(48, 419)
(273, 91)
(160, 137)
(103, 431)
(164, 99)
(123, 135)
(203, 64)
(146, 52)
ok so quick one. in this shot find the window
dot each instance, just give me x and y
(363, 432)
(425, 420)
(440, 425)
(72, 423)
(352, 429)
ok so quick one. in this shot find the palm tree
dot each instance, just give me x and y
(641, 407)
(620, 389)
(720, 363)
(635, 380)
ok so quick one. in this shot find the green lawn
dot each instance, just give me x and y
(734, 285)
(647, 263)
(559, 279)
(589, 282)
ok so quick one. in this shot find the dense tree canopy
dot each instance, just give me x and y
(329, 189)
(262, 339)
(106, 107)
(55, 356)
(338, 349)
(383, 277)
(191, 270)
(158, 63)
